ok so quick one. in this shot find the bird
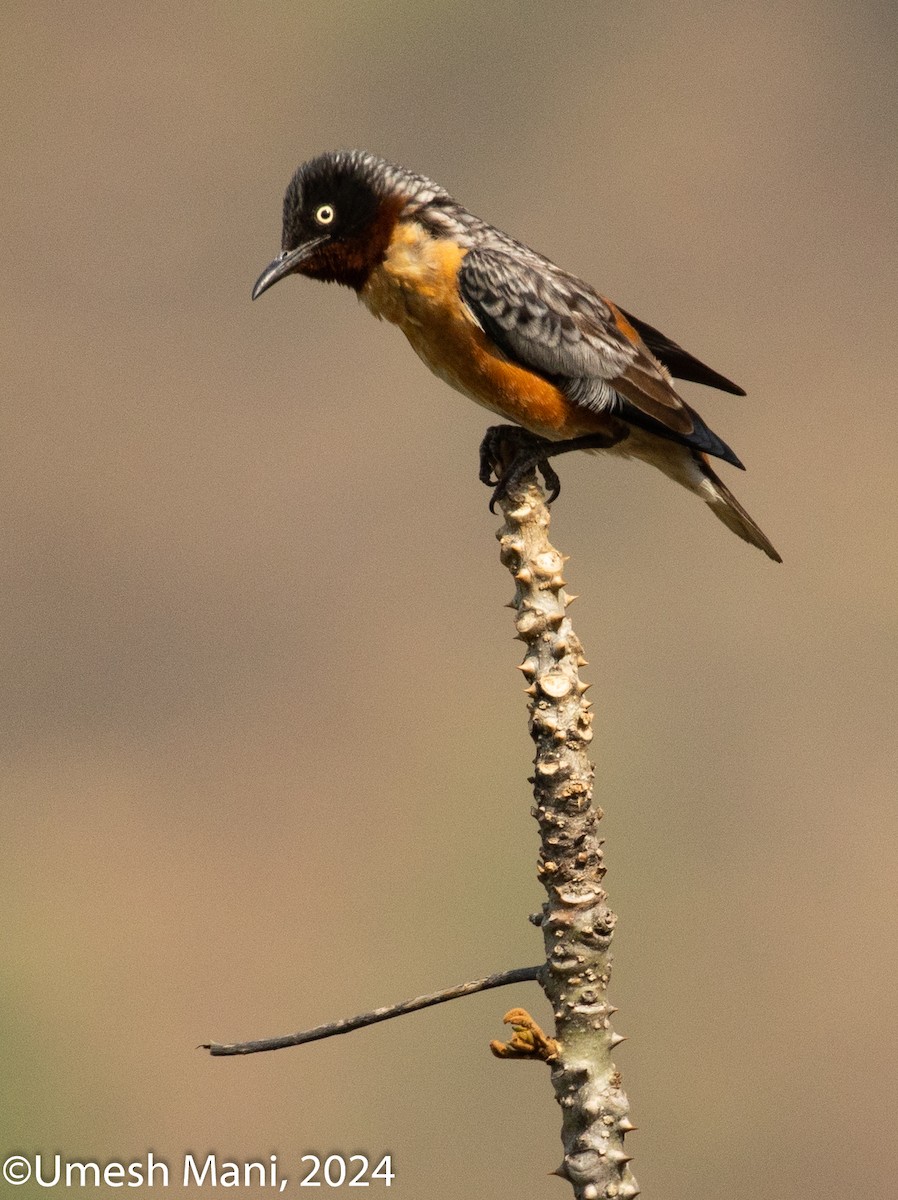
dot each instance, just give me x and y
(506, 327)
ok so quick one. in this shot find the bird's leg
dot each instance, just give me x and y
(508, 452)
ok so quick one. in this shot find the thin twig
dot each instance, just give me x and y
(499, 979)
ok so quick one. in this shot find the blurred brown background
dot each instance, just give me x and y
(264, 746)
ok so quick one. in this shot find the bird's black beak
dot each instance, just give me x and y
(285, 263)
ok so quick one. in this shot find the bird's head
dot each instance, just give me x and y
(340, 211)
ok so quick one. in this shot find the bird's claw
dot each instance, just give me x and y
(517, 471)
(507, 455)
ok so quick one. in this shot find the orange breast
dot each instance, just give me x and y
(416, 288)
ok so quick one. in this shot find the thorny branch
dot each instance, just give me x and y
(576, 921)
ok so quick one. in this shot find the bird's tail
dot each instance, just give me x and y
(690, 468)
(727, 508)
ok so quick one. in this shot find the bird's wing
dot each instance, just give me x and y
(680, 363)
(555, 325)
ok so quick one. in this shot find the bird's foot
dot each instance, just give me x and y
(507, 454)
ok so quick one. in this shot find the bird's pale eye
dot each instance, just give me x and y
(324, 214)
